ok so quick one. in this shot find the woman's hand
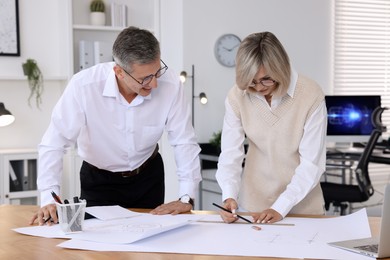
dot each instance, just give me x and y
(229, 204)
(267, 216)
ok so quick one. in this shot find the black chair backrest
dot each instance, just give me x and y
(362, 176)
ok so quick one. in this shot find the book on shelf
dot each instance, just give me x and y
(15, 183)
(94, 52)
(25, 180)
(86, 54)
(102, 52)
(118, 15)
(32, 174)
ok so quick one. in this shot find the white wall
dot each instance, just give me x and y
(171, 41)
(43, 37)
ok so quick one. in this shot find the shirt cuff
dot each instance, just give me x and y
(47, 198)
(229, 192)
(189, 188)
(282, 206)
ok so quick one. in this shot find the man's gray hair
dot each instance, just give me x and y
(134, 45)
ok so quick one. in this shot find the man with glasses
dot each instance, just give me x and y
(116, 112)
(282, 114)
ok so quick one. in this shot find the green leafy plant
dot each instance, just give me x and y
(216, 139)
(97, 6)
(35, 80)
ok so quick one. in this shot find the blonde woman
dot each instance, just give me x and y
(283, 116)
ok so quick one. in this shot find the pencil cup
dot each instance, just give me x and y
(71, 216)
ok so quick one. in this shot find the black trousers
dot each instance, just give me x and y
(104, 188)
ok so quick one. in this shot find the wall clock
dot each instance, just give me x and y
(225, 49)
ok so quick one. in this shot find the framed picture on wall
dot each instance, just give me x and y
(9, 28)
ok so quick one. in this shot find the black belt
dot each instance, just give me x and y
(134, 172)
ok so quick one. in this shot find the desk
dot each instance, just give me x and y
(18, 246)
(354, 153)
(348, 155)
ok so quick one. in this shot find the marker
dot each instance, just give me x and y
(241, 217)
(56, 198)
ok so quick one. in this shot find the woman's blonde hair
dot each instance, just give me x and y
(263, 49)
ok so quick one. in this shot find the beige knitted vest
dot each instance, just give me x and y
(274, 138)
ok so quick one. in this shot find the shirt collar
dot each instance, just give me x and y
(111, 89)
(111, 86)
(293, 82)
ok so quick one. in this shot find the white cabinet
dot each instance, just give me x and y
(144, 14)
(18, 170)
(210, 192)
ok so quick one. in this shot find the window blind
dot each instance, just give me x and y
(362, 58)
(362, 50)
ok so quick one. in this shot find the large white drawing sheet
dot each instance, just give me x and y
(308, 238)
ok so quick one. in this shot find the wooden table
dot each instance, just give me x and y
(17, 246)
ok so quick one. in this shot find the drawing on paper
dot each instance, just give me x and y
(130, 227)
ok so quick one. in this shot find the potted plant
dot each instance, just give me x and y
(97, 17)
(213, 147)
(35, 80)
(215, 141)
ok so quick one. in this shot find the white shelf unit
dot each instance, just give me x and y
(83, 27)
(141, 13)
(19, 177)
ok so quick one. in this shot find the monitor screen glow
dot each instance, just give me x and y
(349, 117)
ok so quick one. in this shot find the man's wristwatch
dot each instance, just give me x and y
(187, 199)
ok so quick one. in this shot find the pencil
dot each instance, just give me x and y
(270, 224)
(241, 217)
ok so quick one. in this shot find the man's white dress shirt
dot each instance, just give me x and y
(114, 135)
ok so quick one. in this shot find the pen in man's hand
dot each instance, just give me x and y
(241, 217)
(46, 220)
(57, 199)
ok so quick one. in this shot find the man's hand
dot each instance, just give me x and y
(48, 212)
(267, 216)
(174, 207)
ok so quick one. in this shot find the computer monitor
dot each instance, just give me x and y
(349, 117)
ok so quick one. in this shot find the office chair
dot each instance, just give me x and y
(342, 195)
